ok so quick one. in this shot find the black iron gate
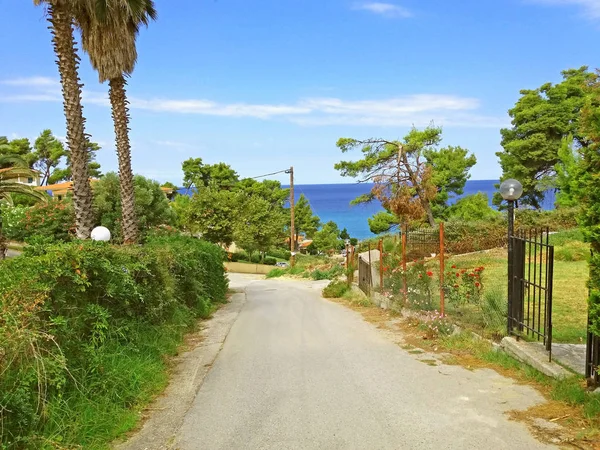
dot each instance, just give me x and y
(530, 303)
(592, 354)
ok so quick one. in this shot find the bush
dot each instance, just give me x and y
(270, 261)
(276, 273)
(53, 221)
(336, 289)
(328, 274)
(572, 251)
(98, 319)
(280, 253)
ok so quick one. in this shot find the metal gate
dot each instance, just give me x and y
(530, 304)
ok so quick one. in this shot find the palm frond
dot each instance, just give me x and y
(9, 187)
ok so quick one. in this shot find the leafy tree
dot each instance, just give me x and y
(327, 238)
(567, 174)
(169, 185)
(588, 192)
(344, 234)
(405, 173)
(17, 147)
(270, 190)
(66, 174)
(541, 118)
(197, 174)
(60, 16)
(305, 221)
(450, 172)
(382, 222)
(182, 207)
(214, 213)
(260, 225)
(472, 208)
(109, 29)
(152, 206)
(48, 154)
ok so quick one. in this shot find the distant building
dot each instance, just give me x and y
(60, 190)
(24, 176)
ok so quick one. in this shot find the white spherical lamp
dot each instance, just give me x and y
(511, 190)
(100, 234)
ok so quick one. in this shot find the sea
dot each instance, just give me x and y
(332, 202)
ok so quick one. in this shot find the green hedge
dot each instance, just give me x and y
(84, 327)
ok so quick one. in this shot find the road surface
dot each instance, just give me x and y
(299, 372)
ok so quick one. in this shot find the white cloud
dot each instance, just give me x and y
(418, 109)
(32, 82)
(384, 9)
(591, 8)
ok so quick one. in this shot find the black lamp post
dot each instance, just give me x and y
(511, 190)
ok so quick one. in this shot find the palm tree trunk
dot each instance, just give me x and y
(68, 61)
(120, 114)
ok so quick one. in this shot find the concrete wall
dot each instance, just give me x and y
(237, 267)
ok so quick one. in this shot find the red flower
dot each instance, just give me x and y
(453, 266)
(457, 274)
(430, 273)
(477, 284)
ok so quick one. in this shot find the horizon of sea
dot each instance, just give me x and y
(332, 202)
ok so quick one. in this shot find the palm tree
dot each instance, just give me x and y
(8, 186)
(109, 29)
(60, 17)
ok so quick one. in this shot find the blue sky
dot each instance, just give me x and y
(266, 84)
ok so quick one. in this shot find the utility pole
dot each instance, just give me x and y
(292, 227)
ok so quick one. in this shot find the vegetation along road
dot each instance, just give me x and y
(298, 371)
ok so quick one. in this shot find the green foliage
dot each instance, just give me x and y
(270, 261)
(53, 221)
(589, 194)
(541, 119)
(382, 222)
(463, 286)
(493, 308)
(64, 174)
(328, 274)
(556, 220)
(572, 251)
(567, 174)
(212, 212)
(327, 238)
(48, 154)
(151, 205)
(305, 222)
(450, 172)
(99, 319)
(413, 179)
(472, 208)
(199, 175)
(335, 289)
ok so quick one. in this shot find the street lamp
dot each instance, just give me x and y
(100, 234)
(511, 190)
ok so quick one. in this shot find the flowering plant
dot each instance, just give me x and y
(463, 286)
(435, 324)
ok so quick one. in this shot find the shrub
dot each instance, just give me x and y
(270, 261)
(54, 221)
(572, 251)
(336, 289)
(276, 273)
(493, 308)
(328, 274)
(98, 319)
(280, 253)
(463, 286)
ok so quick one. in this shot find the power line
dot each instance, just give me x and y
(269, 174)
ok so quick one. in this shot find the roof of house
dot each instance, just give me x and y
(64, 186)
(18, 170)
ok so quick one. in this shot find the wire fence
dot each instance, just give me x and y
(446, 275)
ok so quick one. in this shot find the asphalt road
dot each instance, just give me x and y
(299, 372)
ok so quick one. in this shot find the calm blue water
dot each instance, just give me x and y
(332, 202)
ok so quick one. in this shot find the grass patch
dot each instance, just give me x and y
(336, 289)
(569, 303)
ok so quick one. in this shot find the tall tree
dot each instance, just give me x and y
(48, 153)
(196, 174)
(567, 174)
(541, 118)
(327, 238)
(589, 194)
(66, 174)
(60, 17)
(109, 29)
(305, 221)
(405, 173)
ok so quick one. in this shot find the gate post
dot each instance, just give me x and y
(511, 218)
(442, 262)
(404, 287)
